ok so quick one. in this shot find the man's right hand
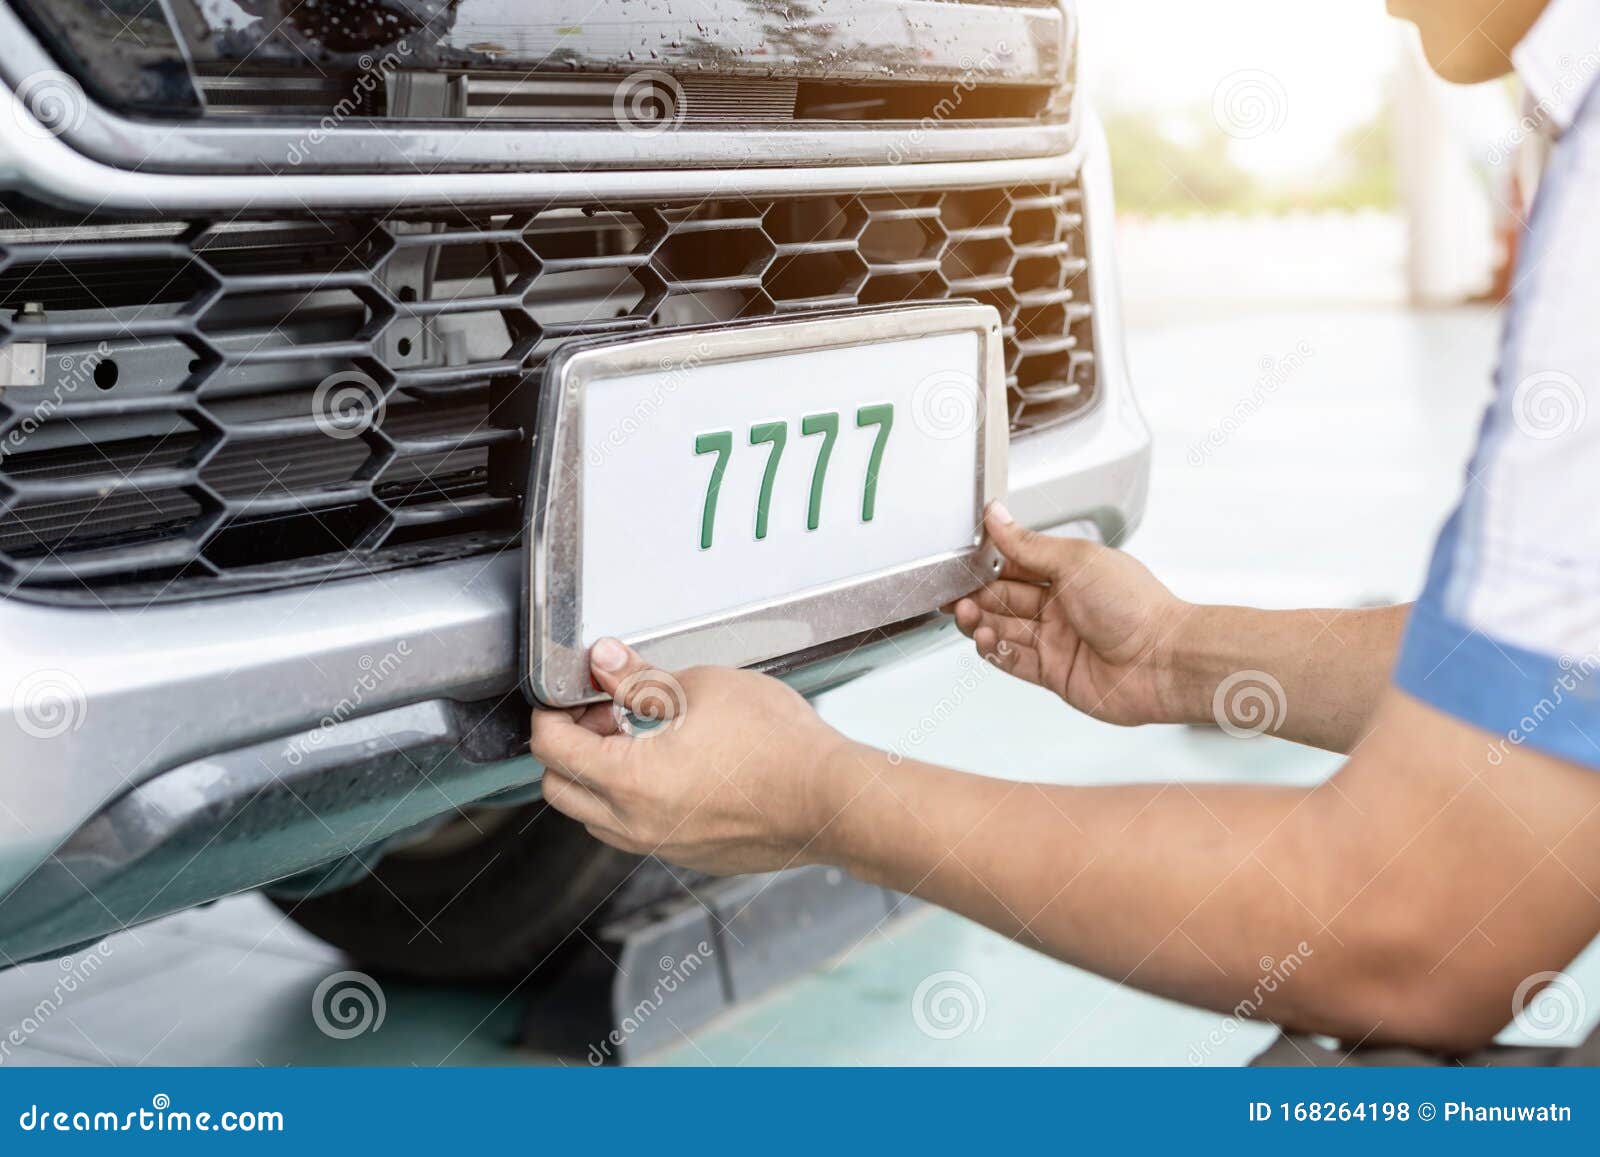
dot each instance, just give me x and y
(1086, 621)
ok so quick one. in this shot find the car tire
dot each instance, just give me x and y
(489, 909)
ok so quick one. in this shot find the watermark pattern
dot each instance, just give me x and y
(374, 74)
(1573, 681)
(49, 703)
(347, 404)
(1275, 373)
(348, 1004)
(677, 373)
(75, 973)
(659, 704)
(949, 1004)
(1549, 1005)
(974, 72)
(75, 373)
(674, 974)
(374, 672)
(1249, 703)
(972, 675)
(947, 404)
(1275, 973)
(1572, 74)
(1249, 103)
(648, 103)
(49, 103)
(1549, 405)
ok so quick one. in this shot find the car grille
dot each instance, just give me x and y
(226, 405)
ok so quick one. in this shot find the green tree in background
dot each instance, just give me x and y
(1183, 165)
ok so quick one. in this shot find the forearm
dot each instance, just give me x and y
(1145, 884)
(1409, 898)
(1332, 666)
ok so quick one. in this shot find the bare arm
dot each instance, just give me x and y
(1332, 665)
(1414, 891)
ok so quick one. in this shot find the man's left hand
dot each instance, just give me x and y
(715, 769)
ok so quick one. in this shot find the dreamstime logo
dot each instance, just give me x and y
(1548, 1005)
(347, 1004)
(49, 703)
(659, 704)
(674, 974)
(1572, 683)
(1572, 75)
(1549, 405)
(48, 104)
(1249, 104)
(974, 73)
(948, 1004)
(1275, 973)
(75, 372)
(1248, 704)
(674, 374)
(373, 674)
(947, 404)
(1275, 373)
(347, 404)
(75, 974)
(648, 103)
(374, 77)
(973, 673)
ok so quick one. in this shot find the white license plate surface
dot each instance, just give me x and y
(744, 493)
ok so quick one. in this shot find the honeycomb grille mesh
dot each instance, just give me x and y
(217, 405)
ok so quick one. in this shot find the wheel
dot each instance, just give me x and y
(486, 898)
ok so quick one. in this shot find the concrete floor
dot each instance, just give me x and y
(1329, 494)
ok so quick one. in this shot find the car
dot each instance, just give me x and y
(360, 361)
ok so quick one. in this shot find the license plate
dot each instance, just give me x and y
(733, 495)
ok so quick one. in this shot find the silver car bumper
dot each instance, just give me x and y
(104, 701)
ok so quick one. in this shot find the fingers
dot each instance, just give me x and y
(598, 817)
(1003, 629)
(969, 617)
(619, 840)
(1029, 555)
(1026, 553)
(1018, 599)
(1013, 658)
(612, 662)
(573, 799)
(561, 742)
(620, 672)
(1004, 613)
(599, 718)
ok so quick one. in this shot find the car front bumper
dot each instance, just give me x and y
(160, 720)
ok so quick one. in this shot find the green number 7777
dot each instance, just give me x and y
(775, 436)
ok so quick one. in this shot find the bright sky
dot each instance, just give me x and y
(1327, 58)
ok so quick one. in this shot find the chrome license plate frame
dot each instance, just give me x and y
(556, 667)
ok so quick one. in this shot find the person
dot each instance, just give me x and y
(1444, 873)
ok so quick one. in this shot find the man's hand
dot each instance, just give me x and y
(1088, 622)
(719, 777)
(1098, 629)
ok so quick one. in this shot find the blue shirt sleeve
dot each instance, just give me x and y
(1519, 697)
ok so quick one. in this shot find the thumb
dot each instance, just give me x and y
(646, 691)
(1030, 555)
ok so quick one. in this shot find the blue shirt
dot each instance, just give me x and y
(1506, 635)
